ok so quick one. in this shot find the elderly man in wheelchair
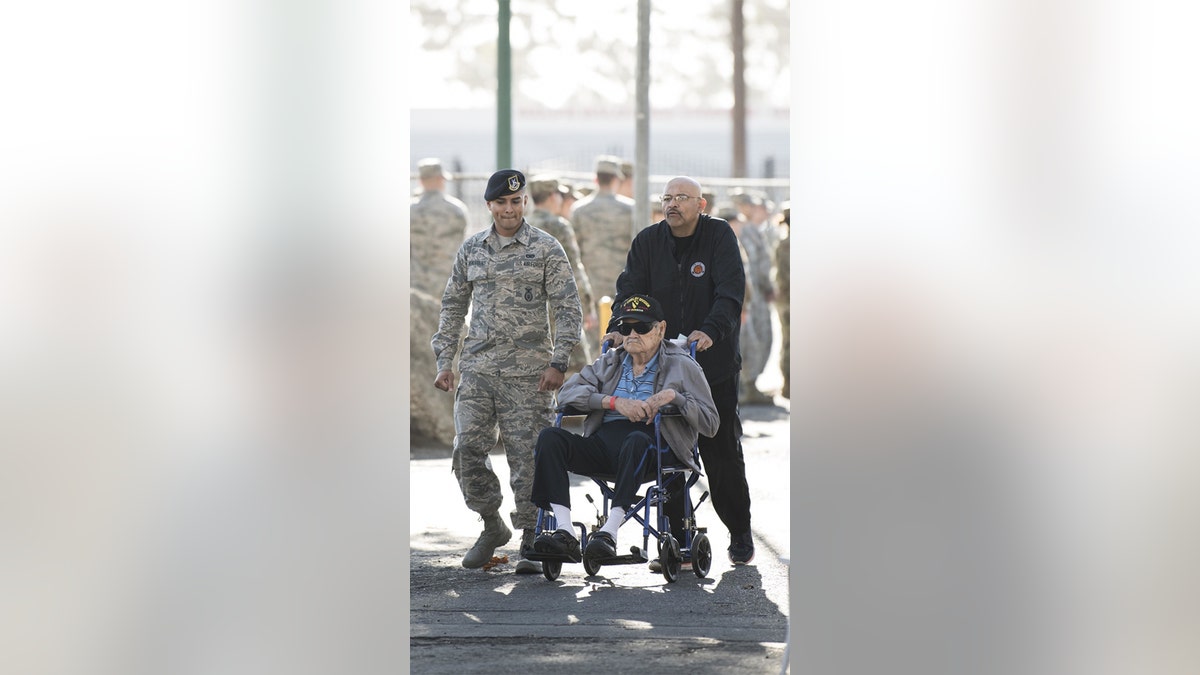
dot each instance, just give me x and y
(622, 393)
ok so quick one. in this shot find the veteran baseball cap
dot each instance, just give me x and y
(610, 165)
(504, 182)
(640, 308)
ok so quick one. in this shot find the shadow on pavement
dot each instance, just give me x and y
(612, 622)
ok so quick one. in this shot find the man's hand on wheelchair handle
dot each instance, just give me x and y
(552, 379)
(444, 380)
(614, 339)
(701, 339)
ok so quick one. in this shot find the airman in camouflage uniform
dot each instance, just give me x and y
(604, 227)
(758, 272)
(437, 225)
(749, 341)
(546, 199)
(783, 265)
(513, 278)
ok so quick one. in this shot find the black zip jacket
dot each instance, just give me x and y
(705, 291)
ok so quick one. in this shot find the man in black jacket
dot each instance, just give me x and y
(691, 263)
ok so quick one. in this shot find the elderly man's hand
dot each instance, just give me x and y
(664, 397)
(444, 380)
(635, 410)
(551, 380)
(614, 337)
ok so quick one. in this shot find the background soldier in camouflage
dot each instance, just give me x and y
(783, 265)
(547, 198)
(758, 272)
(512, 277)
(604, 227)
(437, 225)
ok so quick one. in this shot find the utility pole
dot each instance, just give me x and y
(739, 91)
(641, 188)
(504, 90)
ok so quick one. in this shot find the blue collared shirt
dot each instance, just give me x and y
(640, 387)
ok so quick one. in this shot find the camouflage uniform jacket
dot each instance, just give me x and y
(676, 370)
(511, 292)
(560, 228)
(761, 259)
(438, 223)
(604, 228)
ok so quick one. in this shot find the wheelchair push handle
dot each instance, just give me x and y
(607, 344)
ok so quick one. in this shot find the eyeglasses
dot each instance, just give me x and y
(678, 199)
(639, 327)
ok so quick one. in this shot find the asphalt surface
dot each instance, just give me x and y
(624, 618)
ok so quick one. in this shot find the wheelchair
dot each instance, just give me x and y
(648, 510)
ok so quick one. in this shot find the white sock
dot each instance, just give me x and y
(616, 515)
(563, 515)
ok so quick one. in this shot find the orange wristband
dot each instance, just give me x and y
(612, 402)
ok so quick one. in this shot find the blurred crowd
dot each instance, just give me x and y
(594, 222)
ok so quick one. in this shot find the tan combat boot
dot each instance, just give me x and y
(495, 534)
(525, 566)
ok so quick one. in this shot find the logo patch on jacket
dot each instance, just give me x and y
(698, 269)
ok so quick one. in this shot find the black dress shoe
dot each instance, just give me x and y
(559, 542)
(601, 546)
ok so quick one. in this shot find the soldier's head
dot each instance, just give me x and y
(569, 197)
(543, 189)
(608, 172)
(626, 180)
(505, 197)
(682, 203)
(744, 201)
(433, 177)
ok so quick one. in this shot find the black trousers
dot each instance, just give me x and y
(617, 450)
(723, 464)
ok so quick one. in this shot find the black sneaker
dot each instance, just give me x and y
(601, 546)
(741, 549)
(559, 542)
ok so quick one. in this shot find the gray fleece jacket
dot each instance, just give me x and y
(676, 370)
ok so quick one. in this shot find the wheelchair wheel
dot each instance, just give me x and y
(590, 566)
(670, 558)
(701, 555)
(551, 568)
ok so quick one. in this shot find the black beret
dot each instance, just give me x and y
(504, 182)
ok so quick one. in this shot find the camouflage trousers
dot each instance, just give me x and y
(513, 407)
(754, 359)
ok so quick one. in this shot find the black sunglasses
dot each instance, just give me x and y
(640, 327)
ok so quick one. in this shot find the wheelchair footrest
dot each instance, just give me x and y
(621, 560)
(550, 557)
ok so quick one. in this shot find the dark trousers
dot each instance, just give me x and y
(616, 450)
(724, 467)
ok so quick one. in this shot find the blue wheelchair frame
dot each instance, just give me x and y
(695, 545)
